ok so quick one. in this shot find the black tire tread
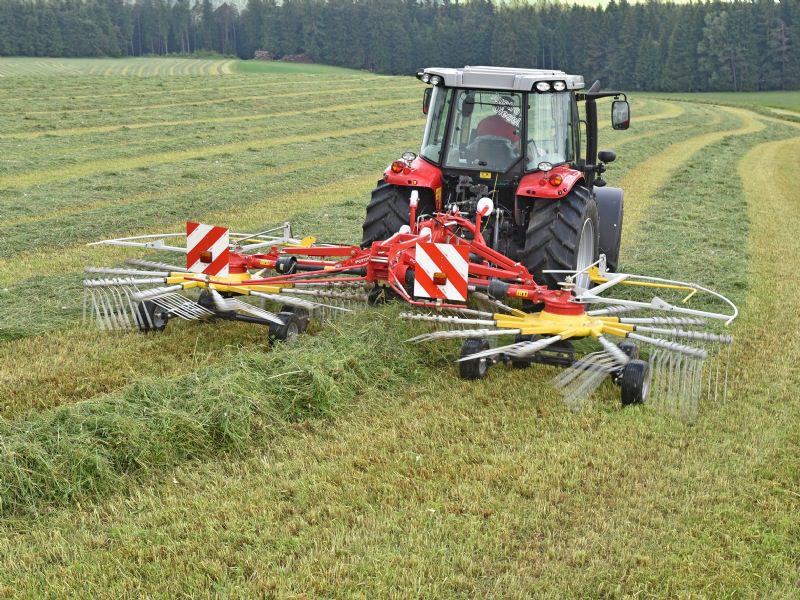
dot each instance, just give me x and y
(552, 236)
(388, 210)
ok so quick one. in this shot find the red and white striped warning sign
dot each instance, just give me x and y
(442, 271)
(207, 249)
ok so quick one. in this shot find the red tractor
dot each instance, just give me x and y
(513, 135)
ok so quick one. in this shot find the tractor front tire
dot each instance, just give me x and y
(562, 234)
(388, 211)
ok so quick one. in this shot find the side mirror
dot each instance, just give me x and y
(620, 114)
(607, 156)
(426, 100)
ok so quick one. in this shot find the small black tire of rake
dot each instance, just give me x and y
(150, 316)
(473, 369)
(522, 363)
(302, 314)
(630, 349)
(288, 330)
(635, 382)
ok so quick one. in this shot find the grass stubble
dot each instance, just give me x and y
(235, 480)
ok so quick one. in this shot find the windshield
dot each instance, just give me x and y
(486, 130)
(435, 126)
(549, 129)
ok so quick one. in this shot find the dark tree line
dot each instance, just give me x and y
(739, 45)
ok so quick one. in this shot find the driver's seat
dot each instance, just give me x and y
(495, 151)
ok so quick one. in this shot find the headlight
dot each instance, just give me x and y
(559, 86)
(408, 157)
(436, 80)
(425, 78)
(545, 166)
(543, 86)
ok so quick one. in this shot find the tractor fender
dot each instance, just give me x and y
(555, 184)
(419, 174)
(610, 207)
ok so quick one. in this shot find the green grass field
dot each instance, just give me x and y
(202, 462)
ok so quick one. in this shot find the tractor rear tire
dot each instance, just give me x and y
(388, 211)
(555, 231)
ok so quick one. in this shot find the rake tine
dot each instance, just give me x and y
(122, 315)
(129, 281)
(480, 296)
(614, 351)
(130, 272)
(668, 345)
(156, 265)
(460, 333)
(564, 377)
(612, 310)
(517, 350)
(327, 294)
(583, 377)
(154, 293)
(109, 309)
(701, 336)
(446, 319)
(471, 312)
(662, 321)
(232, 304)
(279, 298)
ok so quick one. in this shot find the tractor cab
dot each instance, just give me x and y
(505, 132)
(515, 136)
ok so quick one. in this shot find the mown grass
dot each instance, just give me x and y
(286, 68)
(233, 479)
(142, 67)
(781, 100)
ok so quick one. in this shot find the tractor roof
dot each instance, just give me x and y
(501, 78)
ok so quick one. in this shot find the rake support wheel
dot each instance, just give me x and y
(289, 330)
(635, 382)
(150, 316)
(474, 369)
(562, 234)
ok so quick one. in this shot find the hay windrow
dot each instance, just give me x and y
(81, 450)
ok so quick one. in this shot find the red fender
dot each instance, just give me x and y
(555, 184)
(419, 174)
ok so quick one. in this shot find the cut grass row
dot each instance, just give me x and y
(141, 67)
(160, 158)
(238, 100)
(163, 125)
(450, 488)
(35, 378)
(188, 86)
(652, 174)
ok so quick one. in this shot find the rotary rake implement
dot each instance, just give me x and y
(443, 268)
